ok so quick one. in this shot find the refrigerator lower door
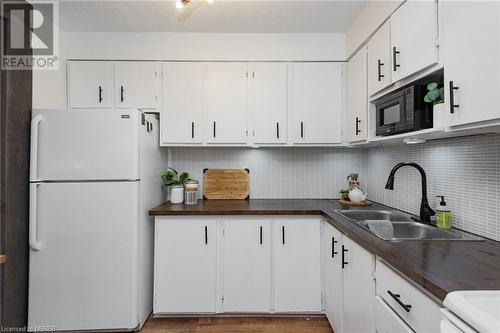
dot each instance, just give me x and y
(83, 256)
(71, 145)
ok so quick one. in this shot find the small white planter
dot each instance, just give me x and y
(438, 115)
(177, 194)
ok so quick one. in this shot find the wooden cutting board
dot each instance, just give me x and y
(226, 184)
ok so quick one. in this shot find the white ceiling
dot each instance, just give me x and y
(222, 16)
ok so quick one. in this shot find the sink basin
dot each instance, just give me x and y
(393, 226)
(364, 215)
(478, 308)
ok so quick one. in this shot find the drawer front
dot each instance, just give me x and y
(420, 312)
(386, 320)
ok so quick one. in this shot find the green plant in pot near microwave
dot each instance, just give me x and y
(435, 93)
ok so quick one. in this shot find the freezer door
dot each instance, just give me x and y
(85, 145)
(84, 245)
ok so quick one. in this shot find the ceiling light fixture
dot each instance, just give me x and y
(183, 3)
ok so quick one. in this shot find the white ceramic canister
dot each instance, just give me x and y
(177, 194)
(191, 192)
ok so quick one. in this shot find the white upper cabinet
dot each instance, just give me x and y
(332, 264)
(413, 38)
(471, 57)
(379, 59)
(297, 265)
(136, 85)
(269, 103)
(358, 286)
(227, 99)
(90, 84)
(316, 103)
(247, 265)
(357, 103)
(182, 103)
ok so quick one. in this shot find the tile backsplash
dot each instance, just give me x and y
(277, 172)
(465, 170)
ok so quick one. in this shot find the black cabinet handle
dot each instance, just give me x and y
(396, 297)
(100, 94)
(357, 126)
(283, 234)
(394, 58)
(260, 235)
(452, 98)
(277, 130)
(302, 129)
(214, 129)
(192, 130)
(333, 247)
(379, 65)
(122, 94)
(344, 250)
(206, 235)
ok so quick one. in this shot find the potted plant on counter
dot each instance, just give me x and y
(173, 185)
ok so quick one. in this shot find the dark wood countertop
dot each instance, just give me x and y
(437, 267)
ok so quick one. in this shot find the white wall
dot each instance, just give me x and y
(49, 87)
(366, 22)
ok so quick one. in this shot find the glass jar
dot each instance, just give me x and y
(191, 192)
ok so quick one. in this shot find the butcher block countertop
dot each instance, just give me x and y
(436, 267)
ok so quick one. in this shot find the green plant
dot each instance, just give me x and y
(435, 94)
(172, 177)
(344, 190)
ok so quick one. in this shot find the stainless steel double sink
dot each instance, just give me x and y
(395, 226)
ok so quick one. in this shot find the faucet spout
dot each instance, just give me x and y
(425, 210)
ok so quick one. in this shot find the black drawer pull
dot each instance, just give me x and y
(100, 94)
(452, 98)
(396, 297)
(192, 130)
(206, 235)
(260, 235)
(214, 128)
(283, 234)
(357, 126)
(333, 247)
(302, 129)
(344, 250)
(379, 67)
(122, 94)
(394, 58)
(277, 130)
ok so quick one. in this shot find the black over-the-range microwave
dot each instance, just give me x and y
(403, 111)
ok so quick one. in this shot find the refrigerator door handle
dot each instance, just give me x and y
(34, 244)
(35, 123)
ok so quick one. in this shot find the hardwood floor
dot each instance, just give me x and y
(238, 325)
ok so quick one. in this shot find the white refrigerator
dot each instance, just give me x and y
(94, 175)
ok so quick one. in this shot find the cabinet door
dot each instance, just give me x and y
(247, 265)
(227, 90)
(386, 320)
(413, 38)
(269, 103)
(471, 57)
(332, 252)
(90, 84)
(356, 111)
(185, 266)
(359, 288)
(297, 277)
(182, 103)
(316, 103)
(379, 59)
(136, 85)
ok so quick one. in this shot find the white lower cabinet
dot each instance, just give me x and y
(247, 265)
(386, 320)
(358, 287)
(332, 270)
(297, 265)
(185, 266)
